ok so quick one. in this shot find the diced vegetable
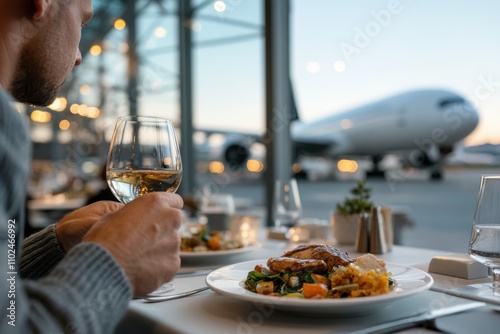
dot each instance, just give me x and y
(314, 290)
(265, 288)
(321, 279)
(203, 241)
(258, 268)
(213, 243)
(294, 282)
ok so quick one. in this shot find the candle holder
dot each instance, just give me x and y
(245, 229)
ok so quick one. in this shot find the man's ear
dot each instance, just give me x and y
(41, 8)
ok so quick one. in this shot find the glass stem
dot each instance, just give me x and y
(496, 278)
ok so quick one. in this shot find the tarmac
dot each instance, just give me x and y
(433, 214)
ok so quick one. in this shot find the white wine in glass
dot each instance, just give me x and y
(130, 184)
(484, 244)
(143, 157)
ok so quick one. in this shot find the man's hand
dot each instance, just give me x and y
(71, 229)
(144, 239)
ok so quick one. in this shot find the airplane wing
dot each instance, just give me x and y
(313, 148)
(312, 145)
(228, 133)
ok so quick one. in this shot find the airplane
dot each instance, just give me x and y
(420, 126)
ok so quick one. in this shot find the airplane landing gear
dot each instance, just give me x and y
(436, 175)
(375, 171)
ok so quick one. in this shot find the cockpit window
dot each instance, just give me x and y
(448, 102)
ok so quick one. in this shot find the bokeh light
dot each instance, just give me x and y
(339, 66)
(120, 24)
(347, 166)
(219, 6)
(64, 125)
(95, 50)
(313, 67)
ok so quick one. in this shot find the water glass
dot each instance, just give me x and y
(218, 209)
(484, 244)
(287, 206)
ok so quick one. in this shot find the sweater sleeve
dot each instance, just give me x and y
(87, 292)
(41, 252)
(84, 291)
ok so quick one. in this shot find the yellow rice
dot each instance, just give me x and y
(371, 283)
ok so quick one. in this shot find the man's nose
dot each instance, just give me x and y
(78, 60)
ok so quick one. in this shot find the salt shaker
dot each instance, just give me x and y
(378, 244)
(362, 243)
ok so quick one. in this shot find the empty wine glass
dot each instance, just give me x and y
(484, 244)
(218, 209)
(143, 157)
(287, 206)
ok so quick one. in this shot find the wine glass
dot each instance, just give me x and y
(287, 206)
(143, 157)
(218, 210)
(484, 244)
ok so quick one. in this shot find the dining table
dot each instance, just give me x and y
(214, 312)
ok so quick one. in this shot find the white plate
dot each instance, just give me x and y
(229, 281)
(216, 255)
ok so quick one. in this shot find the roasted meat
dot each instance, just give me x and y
(331, 256)
(276, 264)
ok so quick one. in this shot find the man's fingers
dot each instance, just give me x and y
(172, 200)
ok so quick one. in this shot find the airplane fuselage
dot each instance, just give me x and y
(417, 120)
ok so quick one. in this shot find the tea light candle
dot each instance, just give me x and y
(299, 234)
(319, 230)
(245, 229)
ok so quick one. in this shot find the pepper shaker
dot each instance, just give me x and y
(378, 244)
(362, 243)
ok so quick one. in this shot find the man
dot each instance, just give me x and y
(77, 275)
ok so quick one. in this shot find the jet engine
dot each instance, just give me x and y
(236, 155)
(421, 159)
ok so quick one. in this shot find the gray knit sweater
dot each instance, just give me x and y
(45, 290)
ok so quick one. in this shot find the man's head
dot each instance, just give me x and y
(49, 48)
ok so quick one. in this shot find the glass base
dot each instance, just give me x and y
(163, 289)
(480, 291)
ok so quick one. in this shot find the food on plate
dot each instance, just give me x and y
(277, 264)
(203, 241)
(332, 257)
(320, 271)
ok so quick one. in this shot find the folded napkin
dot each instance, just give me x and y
(475, 289)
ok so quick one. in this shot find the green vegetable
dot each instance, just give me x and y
(285, 282)
(254, 277)
(392, 282)
(205, 236)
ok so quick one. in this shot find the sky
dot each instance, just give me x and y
(406, 45)
(343, 54)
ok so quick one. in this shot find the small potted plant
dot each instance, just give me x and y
(345, 217)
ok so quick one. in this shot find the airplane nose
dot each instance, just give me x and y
(471, 116)
(460, 120)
